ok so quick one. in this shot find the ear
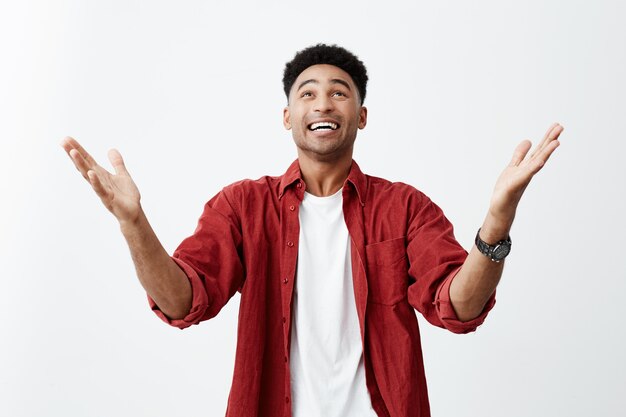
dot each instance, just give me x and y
(286, 118)
(362, 117)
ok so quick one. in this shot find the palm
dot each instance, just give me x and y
(517, 175)
(118, 191)
(121, 195)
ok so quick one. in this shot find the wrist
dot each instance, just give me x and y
(495, 251)
(129, 223)
(495, 228)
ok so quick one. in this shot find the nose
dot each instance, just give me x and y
(323, 104)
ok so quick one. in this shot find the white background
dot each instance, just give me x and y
(190, 92)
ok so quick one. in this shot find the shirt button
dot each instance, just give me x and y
(285, 359)
(286, 399)
(286, 280)
(299, 185)
(290, 243)
(292, 208)
(284, 320)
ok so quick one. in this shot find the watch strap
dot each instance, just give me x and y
(496, 252)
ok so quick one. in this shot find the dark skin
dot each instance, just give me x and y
(325, 160)
(324, 93)
(162, 279)
(320, 94)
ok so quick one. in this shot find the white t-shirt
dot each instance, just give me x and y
(327, 372)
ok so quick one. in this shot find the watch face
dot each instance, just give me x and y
(500, 252)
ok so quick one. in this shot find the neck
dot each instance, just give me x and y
(324, 178)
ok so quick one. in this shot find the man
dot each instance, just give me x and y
(330, 262)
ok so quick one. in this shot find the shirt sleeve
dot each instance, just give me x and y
(435, 257)
(212, 260)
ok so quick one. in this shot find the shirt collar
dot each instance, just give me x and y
(293, 176)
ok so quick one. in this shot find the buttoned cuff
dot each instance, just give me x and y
(446, 312)
(199, 300)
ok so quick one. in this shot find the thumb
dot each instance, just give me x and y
(520, 153)
(117, 161)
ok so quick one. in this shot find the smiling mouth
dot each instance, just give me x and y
(322, 126)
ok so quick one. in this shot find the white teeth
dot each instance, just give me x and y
(323, 125)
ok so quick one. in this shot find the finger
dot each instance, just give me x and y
(553, 133)
(540, 160)
(79, 162)
(65, 144)
(520, 153)
(97, 185)
(71, 143)
(117, 161)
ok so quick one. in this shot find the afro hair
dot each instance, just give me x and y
(326, 54)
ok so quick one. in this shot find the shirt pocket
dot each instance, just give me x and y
(387, 271)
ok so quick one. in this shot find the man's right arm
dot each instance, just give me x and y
(160, 276)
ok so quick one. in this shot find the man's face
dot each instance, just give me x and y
(324, 112)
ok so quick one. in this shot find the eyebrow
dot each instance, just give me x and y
(332, 81)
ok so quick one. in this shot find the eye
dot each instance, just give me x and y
(339, 94)
(306, 94)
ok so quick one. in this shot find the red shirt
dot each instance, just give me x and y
(404, 257)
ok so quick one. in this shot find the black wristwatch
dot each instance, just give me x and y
(496, 252)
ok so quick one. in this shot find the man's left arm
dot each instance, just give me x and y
(477, 279)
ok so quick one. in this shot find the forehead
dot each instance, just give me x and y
(323, 73)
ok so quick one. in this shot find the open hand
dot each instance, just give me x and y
(517, 175)
(118, 191)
